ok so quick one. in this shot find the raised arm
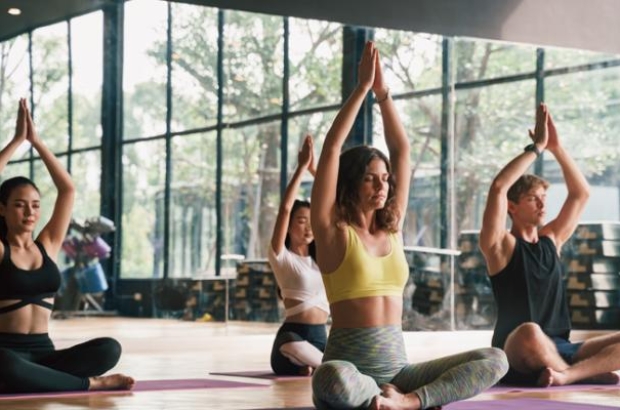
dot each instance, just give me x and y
(305, 161)
(563, 226)
(396, 140)
(323, 209)
(493, 235)
(54, 232)
(21, 126)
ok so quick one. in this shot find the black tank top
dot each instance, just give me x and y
(531, 289)
(29, 286)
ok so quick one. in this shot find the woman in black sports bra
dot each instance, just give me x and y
(29, 279)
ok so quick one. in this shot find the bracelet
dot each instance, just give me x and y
(387, 94)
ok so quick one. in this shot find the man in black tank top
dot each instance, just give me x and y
(533, 322)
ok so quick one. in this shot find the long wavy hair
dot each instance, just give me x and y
(353, 164)
(287, 241)
(6, 189)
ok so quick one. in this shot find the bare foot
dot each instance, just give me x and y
(111, 382)
(603, 378)
(306, 371)
(391, 398)
(549, 377)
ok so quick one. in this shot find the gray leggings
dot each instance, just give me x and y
(357, 361)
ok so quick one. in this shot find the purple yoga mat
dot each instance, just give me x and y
(521, 404)
(570, 387)
(142, 385)
(260, 374)
(508, 404)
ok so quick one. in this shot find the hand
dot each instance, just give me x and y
(21, 124)
(305, 157)
(379, 87)
(366, 68)
(540, 135)
(554, 141)
(31, 134)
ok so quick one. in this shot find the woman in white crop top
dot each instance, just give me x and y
(300, 341)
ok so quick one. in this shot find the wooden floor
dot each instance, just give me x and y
(172, 349)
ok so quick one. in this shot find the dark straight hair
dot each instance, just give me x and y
(287, 241)
(7, 187)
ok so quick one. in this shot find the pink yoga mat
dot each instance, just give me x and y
(570, 387)
(143, 385)
(508, 404)
(260, 374)
(521, 404)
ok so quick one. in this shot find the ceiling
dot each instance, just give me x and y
(591, 25)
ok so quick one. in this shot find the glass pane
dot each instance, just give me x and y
(14, 83)
(144, 68)
(250, 188)
(86, 176)
(252, 65)
(87, 66)
(585, 109)
(143, 209)
(21, 169)
(556, 57)
(490, 129)
(193, 224)
(194, 66)
(51, 83)
(315, 58)
(317, 125)
(411, 61)
(479, 60)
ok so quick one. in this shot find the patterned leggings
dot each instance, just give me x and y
(357, 361)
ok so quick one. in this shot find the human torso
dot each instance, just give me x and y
(28, 283)
(366, 290)
(531, 289)
(301, 287)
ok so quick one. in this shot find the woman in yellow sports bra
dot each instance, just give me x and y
(359, 200)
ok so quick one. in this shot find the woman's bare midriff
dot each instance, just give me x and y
(371, 311)
(30, 319)
(312, 316)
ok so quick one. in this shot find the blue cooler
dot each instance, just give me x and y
(91, 279)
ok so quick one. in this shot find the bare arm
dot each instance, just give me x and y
(323, 209)
(494, 239)
(397, 142)
(54, 232)
(563, 226)
(21, 125)
(304, 162)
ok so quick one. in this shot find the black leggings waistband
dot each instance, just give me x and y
(26, 342)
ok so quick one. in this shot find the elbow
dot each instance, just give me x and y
(498, 188)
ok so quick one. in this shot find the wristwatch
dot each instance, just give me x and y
(533, 148)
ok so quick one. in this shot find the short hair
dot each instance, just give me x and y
(352, 168)
(523, 185)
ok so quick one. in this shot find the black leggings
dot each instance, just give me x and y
(31, 364)
(316, 335)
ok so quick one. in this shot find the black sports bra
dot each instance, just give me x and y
(29, 286)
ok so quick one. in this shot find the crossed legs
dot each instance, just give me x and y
(530, 350)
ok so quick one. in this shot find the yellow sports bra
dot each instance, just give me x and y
(362, 275)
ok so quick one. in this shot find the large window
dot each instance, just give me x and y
(215, 104)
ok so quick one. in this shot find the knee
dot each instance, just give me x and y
(498, 360)
(527, 336)
(327, 378)
(108, 352)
